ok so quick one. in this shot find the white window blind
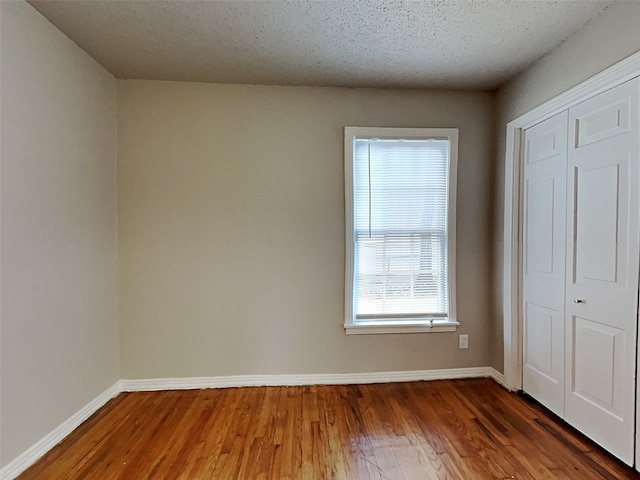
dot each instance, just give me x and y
(400, 195)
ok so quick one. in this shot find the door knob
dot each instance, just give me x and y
(578, 300)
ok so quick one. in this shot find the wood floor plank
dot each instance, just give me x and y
(441, 430)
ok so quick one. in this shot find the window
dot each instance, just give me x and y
(400, 213)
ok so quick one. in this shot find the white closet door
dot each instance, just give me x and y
(602, 268)
(544, 227)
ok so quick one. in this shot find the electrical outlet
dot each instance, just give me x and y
(463, 341)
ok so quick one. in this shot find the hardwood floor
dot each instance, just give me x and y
(459, 429)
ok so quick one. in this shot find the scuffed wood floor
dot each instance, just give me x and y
(459, 429)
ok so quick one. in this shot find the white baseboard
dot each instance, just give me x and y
(29, 457)
(497, 376)
(190, 383)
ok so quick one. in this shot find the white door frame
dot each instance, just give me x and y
(617, 74)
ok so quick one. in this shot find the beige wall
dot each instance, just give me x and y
(59, 310)
(607, 39)
(231, 228)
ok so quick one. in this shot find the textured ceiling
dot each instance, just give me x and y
(472, 44)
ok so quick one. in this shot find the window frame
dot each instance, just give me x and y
(400, 325)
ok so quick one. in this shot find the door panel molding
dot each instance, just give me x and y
(606, 122)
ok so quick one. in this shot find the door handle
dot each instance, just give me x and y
(578, 300)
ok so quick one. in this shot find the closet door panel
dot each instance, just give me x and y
(544, 227)
(602, 266)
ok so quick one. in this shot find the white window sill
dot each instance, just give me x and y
(377, 327)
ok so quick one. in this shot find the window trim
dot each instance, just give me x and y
(423, 325)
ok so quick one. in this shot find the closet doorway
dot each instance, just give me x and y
(580, 261)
